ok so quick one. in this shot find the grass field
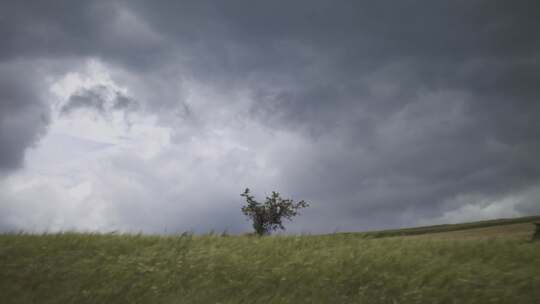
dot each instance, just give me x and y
(474, 228)
(483, 262)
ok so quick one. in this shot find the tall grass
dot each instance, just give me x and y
(91, 268)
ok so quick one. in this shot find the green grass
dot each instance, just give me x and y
(336, 268)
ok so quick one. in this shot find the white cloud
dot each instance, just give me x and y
(478, 207)
(103, 174)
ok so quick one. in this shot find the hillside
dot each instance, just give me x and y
(489, 228)
(482, 262)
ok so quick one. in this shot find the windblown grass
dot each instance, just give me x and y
(338, 268)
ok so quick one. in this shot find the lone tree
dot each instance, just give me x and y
(268, 217)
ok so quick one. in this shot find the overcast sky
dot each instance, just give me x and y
(154, 116)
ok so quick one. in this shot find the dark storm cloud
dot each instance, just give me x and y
(433, 99)
(23, 115)
(406, 105)
(64, 29)
(92, 98)
(99, 98)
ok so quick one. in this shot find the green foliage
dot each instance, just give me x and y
(268, 217)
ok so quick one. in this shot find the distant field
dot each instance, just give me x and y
(482, 262)
(499, 227)
(521, 231)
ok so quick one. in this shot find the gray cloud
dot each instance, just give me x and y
(23, 115)
(399, 110)
(64, 29)
(99, 98)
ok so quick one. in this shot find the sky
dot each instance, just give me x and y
(154, 116)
